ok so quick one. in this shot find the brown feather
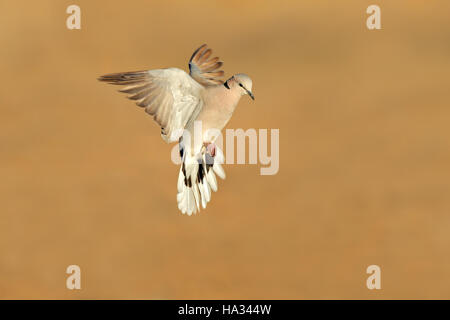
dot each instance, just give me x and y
(210, 62)
(146, 101)
(213, 67)
(201, 66)
(141, 94)
(125, 82)
(210, 75)
(136, 88)
(123, 76)
(155, 105)
(204, 56)
(150, 100)
(197, 54)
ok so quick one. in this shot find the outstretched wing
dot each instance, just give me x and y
(171, 96)
(203, 69)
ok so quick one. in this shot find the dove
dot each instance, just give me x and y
(178, 101)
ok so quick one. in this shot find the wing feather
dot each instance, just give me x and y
(171, 96)
(205, 69)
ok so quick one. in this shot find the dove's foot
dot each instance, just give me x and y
(210, 148)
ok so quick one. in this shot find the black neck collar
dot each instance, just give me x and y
(226, 85)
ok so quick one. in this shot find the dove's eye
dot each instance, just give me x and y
(240, 84)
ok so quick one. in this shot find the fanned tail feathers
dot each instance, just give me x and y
(197, 180)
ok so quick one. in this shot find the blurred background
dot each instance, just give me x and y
(364, 152)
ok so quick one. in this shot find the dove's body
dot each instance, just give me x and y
(178, 101)
(218, 108)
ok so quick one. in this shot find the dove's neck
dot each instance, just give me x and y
(231, 97)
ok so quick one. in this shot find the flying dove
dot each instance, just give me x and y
(177, 101)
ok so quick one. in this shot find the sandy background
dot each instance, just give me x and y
(364, 152)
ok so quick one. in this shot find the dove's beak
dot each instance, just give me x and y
(250, 94)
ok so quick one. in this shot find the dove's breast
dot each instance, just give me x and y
(219, 105)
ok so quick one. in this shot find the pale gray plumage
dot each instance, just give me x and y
(176, 100)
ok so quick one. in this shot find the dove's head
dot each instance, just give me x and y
(242, 83)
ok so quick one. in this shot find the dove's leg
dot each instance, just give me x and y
(209, 148)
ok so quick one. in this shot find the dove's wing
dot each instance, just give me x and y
(171, 96)
(203, 69)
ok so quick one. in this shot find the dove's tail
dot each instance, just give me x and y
(197, 178)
